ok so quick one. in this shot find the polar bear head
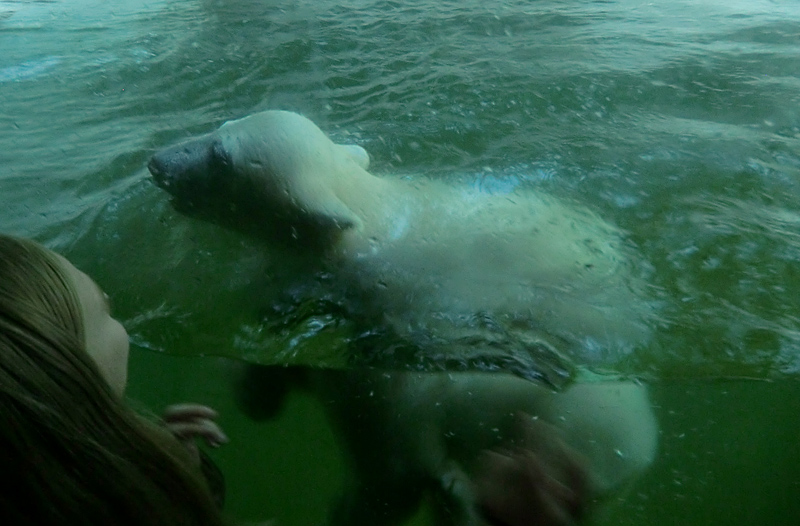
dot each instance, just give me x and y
(276, 167)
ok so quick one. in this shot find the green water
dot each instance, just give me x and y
(678, 121)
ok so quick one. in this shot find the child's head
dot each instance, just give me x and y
(73, 451)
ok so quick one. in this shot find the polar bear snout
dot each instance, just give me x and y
(191, 170)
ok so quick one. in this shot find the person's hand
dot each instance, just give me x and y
(541, 482)
(188, 422)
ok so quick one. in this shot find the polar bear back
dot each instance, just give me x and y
(457, 252)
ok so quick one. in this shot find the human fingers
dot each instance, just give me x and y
(558, 501)
(188, 412)
(563, 463)
(515, 492)
(203, 428)
(521, 487)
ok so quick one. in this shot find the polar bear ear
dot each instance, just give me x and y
(327, 211)
(357, 154)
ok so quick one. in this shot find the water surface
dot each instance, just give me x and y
(678, 121)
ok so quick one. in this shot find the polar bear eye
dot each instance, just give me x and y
(219, 155)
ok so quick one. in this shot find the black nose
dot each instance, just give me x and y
(155, 167)
(158, 169)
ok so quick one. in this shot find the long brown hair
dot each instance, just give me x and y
(71, 451)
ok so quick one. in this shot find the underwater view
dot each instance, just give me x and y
(637, 162)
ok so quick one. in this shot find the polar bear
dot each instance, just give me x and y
(436, 260)
(461, 273)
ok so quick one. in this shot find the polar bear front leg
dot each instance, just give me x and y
(611, 423)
